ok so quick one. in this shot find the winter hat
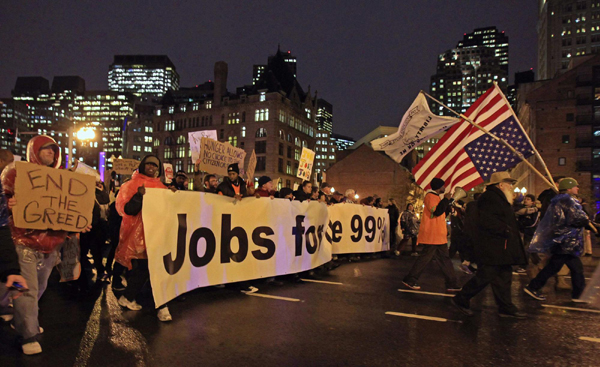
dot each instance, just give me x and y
(437, 183)
(181, 173)
(263, 180)
(567, 183)
(152, 159)
(233, 168)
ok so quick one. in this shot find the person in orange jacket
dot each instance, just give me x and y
(433, 234)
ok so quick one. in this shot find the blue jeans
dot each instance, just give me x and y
(35, 268)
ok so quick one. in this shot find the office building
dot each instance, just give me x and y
(258, 71)
(142, 74)
(566, 29)
(465, 72)
(342, 142)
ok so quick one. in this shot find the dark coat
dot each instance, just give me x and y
(497, 238)
(300, 195)
(226, 187)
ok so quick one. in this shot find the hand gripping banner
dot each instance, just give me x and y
(195, 239)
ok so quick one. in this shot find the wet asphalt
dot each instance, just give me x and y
(317, 324)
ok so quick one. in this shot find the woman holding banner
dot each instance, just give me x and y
(131, 251)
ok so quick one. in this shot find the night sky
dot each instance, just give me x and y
(368, 58)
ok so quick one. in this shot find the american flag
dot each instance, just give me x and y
(466, 156)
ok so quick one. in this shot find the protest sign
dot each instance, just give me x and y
(69, 267)
(216, 156)
(125, 166)
(195, 137)
(196, 240)
(168, 167)
(52, 198)
(306, 164)
(357, 229)
(251, 167)
(81, 167)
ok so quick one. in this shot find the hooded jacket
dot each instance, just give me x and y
(48, 240)
(132, 243)
(561, 229)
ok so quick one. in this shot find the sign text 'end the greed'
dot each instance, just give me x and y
(53, 198)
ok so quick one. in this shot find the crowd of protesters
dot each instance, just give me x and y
(495, 234)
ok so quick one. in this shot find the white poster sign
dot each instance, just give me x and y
(196, 240)
(355, 228)
(195, 137)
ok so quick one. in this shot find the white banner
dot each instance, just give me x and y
(355, 229)
(196, 240)
(417, 126)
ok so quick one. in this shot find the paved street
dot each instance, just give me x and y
(348, 321)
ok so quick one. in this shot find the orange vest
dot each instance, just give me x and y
(432, 231)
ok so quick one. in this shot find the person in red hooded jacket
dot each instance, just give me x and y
(37, 249)
(131, 251)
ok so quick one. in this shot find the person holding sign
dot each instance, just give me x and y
(131, 251)
(37, 249)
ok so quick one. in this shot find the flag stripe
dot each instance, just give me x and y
(449, 160)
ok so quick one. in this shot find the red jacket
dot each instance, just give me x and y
(47, 240)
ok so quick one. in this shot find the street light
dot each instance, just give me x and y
(86, 133)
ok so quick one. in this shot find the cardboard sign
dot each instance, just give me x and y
(168, 167)
(306, 164)
(195, 138)
(125, 166)
(50, 198)
(81, 167)
(251, 167)
(216, 156)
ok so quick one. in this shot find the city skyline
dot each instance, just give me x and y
(368, 62)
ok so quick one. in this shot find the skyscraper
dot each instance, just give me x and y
(324, 115)
(566, 29)
(289, 59)
(468, 70)
(142, 74)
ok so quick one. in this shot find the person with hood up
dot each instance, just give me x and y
(131, 251)
(37, 249)
(560, 233)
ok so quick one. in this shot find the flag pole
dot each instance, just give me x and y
(502, 141)
(537, 154)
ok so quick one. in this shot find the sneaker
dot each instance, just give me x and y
(249, 290)
(461, 308)
(132, 305)
(415, 254)
(513, 315)
(453, 289)
(397, 253)
(535, 294)
(164, 315)
(32, 348)
(412, 285)
(521, 270)
(6, 318)
(465, 269)
(579, 300)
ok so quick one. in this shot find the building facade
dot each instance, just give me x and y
(465, 72)
(566, 29)
(273, 121)
(142, 74)
(562, 117)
